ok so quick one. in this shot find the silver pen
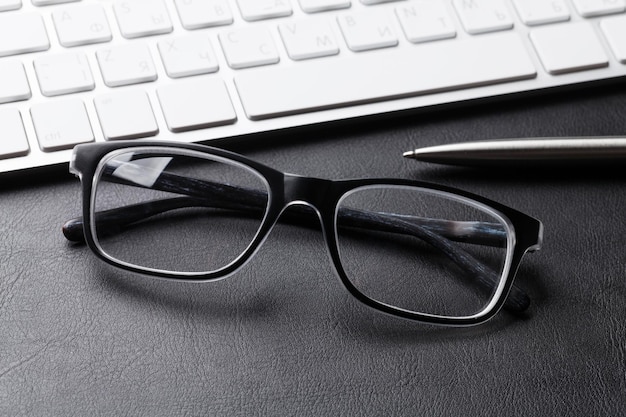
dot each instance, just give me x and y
(564, 150)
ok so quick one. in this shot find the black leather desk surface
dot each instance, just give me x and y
(282, 337)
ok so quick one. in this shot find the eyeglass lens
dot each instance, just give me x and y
(430, 242)
(185, 222)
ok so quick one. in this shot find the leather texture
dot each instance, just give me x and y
(283, 337)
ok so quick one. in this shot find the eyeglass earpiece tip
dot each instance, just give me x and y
(73, 230)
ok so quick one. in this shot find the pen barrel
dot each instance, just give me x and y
(576, 150)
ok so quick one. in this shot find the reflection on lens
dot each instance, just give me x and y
(422, 250)
(176, 210)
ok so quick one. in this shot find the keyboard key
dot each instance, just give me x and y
(539, 12)
(614, 29)
(196, 14)
(63, 74)
(425, 20)
(81, 25)
(433, 67)
(127, 64)
(308, 38)
(368, 30)
(314, 6)
(249, 47)
(137, 18)
(481, 16)
(22, 33)
(589, 8)
(13, 141)
(376, 1)
(196, 104)
(126, 115)
(49, 2)
(252, 10)
(6, 5)
(188, 55)
(569, 48)
(13, 82)
(61, 124)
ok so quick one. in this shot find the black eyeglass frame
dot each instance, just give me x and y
(525, 233)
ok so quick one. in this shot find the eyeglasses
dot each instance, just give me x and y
(411, 249)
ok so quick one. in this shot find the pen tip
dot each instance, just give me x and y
(409, 154)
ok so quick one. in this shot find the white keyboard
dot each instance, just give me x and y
(198, 70)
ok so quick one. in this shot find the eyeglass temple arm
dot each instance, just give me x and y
(485, 277)
(480, 233)
(439, 233)
(233, 197)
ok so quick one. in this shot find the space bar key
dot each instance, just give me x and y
(393, 73)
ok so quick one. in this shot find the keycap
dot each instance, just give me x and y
(376, 1)
(61, 124)
(568, 48)
(49, 2)
(589, 8)
(481, 16)
(539, 12)
(391, 73)
(195, 104)
(126, 115)
(127, 64)
(6, 5)
(81, 25)
(314, 6)
(22, 33)
(63, 74)
(249, 47)
(196, 14)
(13, 82)
(310, 38)
(252, 10)
(13, 141)
(138, 18)
(614, 29)
(188, 55)
(425, 20)
(367, 30)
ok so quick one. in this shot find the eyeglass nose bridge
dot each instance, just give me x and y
(306, 190)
